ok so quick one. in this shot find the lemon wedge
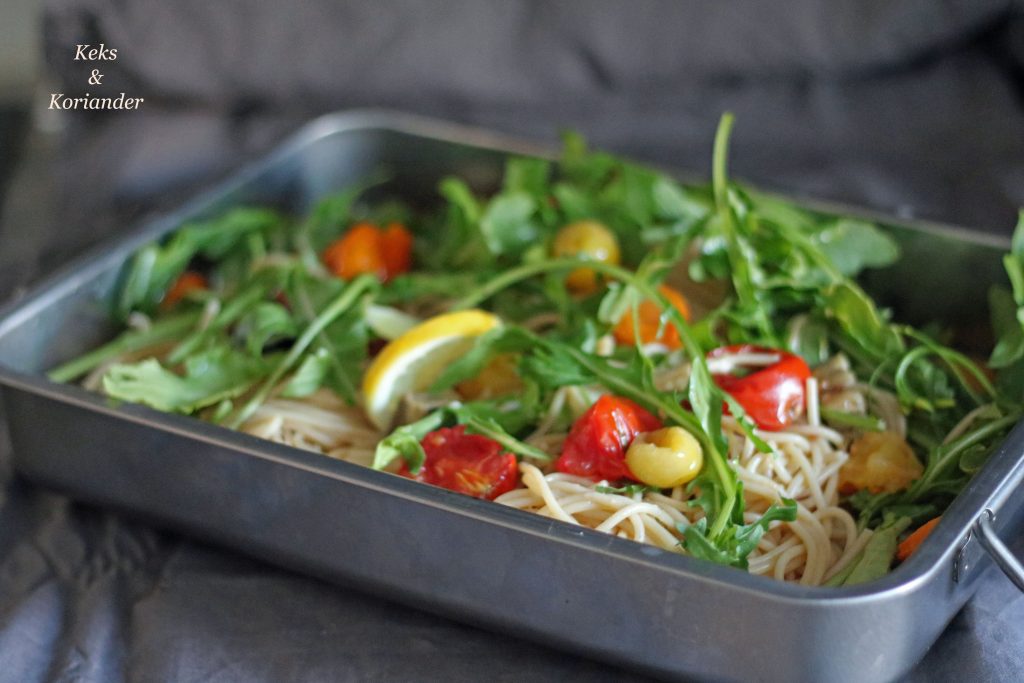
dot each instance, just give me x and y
(413, 361)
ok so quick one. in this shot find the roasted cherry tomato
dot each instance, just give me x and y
(356, 252)
(396, 249)
(649, 321)
(909, 545)
(597, 443)
(467, 463)
(772, 395)
(189, 281)
(365, 248)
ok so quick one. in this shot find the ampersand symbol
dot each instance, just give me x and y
(96, 78)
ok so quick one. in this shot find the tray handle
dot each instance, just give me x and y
(995, 547)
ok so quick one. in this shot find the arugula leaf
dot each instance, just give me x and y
(746, 424)
(672, 202)
(348, 298)
(972, 380)
(486, 426)
(1014, 261)
(856, 314)
(232, 310)
(628, 489)
(919, 384)
(867, 423)
(462, 244)
(589, 170)
(876, 558)
(404, 443)
(507, 224)
(161, 331)
(343, 340)
(475, 233)
(724, 502)
(1010, 383)
(943, 460)
(418, 286)
(552, 365)
(527, 174)
(346, 341)
(331, 215)
(747, 537)
(310, 376)
(732, 219)
(328, 218)
(807, 336)
(641, 206)
(221, 410)
(974, 457)
(266, 322)
(1008, 319)
(210, 377)
(574, 203)
(616, 302)
(514, 415)
(739, 540)
(1007, 327)
(853, 245)
(154, 268)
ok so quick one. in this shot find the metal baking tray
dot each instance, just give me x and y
(507, 570)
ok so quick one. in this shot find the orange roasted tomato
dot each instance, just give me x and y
(189, 281)
(881, 462)
(649, 321)
(365, 248)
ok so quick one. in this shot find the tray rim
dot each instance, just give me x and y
(1004, 468)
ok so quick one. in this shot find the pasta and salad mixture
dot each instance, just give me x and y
(690, 367)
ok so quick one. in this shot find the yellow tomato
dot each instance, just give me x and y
(665, 458)
(589, 240)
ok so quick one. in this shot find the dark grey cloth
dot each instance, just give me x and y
(907, 106)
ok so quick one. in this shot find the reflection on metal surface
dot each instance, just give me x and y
(960, 562)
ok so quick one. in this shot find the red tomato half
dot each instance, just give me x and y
(772, 395)
(597, 443)
(467, 463)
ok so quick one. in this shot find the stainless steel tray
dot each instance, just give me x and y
(475, 561)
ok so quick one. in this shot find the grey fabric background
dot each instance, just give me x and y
(907, 106)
